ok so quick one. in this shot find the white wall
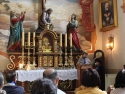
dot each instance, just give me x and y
(3, 63)
(116, 58)
(98, 45)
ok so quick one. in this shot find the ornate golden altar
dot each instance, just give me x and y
(42, 50)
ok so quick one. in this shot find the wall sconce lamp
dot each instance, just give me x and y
(110, 44)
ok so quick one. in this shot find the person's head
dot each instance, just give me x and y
(10, 76)
(51, 74)
(107, 6)
(120, 79)
(73, 16)
(84, 54)
(12, 13)
(90, 78)
(43, 86)
(97, 61)
(49, 11)
(1, 80)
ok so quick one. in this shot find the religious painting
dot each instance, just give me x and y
(61, 16)
(107, 15)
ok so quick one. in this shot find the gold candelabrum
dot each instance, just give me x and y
(34, 58)
(28, 65)
(66, 62)
(70, 60)
(21, 63)
(60, 59)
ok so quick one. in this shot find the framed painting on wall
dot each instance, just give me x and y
(107, 15)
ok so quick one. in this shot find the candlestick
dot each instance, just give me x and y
(70, 40)
(28, 38)
(60, 39)
(34, 38)
(65, 40)
(23, 38)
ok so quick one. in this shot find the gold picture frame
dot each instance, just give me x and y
(107, 15)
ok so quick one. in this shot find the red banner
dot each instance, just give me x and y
(86, 15)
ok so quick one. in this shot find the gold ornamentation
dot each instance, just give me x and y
(66, 84)
(70, 61)
(26, 45)
(55, 46)
(40, 43)
(55, 61)
(66, 63)
(11, 66)
(60, 61)
(45, 61)
(40, 61)
(46, 47)
(50, 61)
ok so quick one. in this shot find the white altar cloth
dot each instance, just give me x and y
(31, 75)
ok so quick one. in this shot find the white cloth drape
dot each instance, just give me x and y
(24, 75)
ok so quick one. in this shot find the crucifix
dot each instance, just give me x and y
(43, 5)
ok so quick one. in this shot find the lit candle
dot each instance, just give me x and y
(70, 40)
(60, 39)
(23, 38)
(65, 40)
(20, 66)
(34, 38)
(28, 38)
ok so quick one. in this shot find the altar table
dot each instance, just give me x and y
(31, 75)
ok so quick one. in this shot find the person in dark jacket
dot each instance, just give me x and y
(11, 87)
(98, 66)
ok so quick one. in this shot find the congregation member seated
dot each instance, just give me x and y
(119, 83)
(83, 60)
(43, 86)
(90, 83)
(52, 74)
(100, 69)
(1, 84)
(11, 87)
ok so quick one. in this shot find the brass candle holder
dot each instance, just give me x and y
(66, 62)
(21, 62)
(71, 58)
(27, 67)
(34, 63)
(60, 59)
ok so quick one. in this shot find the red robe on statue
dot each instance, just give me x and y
(74, 37)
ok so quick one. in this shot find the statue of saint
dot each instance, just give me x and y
(16, 29)
(72, 29)
(45, 20)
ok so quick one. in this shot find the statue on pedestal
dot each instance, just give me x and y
(16, 29)
(72, 29)
(45, 20)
